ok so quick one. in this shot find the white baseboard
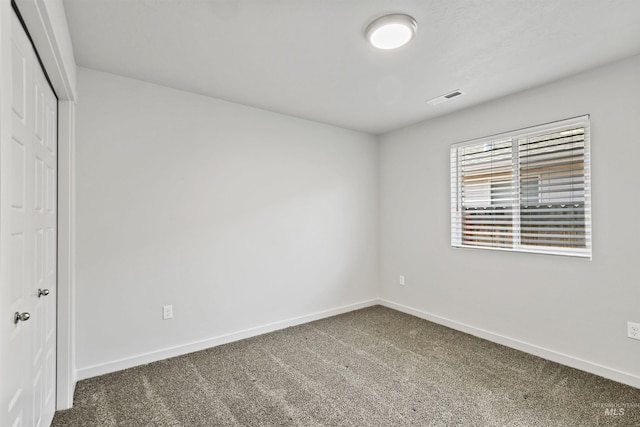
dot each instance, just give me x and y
(545, 353)
(154, 356)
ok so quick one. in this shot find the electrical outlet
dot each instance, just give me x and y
(401, 280)
(633, 330)
(167, 312)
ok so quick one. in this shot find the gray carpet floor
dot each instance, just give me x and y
(371, 367)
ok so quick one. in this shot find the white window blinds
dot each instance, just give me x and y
(527, 190)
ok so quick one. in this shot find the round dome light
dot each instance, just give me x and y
(391, 31)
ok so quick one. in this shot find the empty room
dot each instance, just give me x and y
(319, 213)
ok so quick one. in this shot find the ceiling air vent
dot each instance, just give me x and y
(445, 97)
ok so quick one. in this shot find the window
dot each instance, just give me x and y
(526, 190)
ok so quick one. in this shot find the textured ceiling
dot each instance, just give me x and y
(309, 58)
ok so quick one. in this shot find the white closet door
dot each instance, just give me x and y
(28, 254)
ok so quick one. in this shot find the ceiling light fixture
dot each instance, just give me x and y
(391, 31)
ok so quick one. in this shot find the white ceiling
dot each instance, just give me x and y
(309, 58)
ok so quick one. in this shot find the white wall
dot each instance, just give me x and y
(237, 216)
(572, 310)
(247, 220)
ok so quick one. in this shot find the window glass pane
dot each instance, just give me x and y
(486, 171)
(552, 191)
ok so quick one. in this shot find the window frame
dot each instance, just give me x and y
(457, 209)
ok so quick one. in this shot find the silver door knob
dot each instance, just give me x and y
(43, 292)
(21, 316)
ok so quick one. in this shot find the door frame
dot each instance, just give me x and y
(47, 27)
